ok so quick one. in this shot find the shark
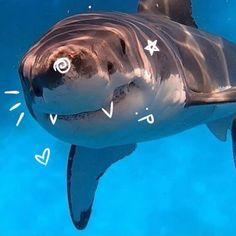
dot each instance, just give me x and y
(111, 80)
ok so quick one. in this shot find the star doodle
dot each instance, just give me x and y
(152, 47)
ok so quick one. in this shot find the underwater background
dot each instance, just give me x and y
(184, 185)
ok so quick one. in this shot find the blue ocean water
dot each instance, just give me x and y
(184, 185)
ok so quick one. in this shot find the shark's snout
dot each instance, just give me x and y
(66, 81)
(51, 71)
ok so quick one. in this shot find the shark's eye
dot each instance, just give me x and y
(110, 68)
(123, 46)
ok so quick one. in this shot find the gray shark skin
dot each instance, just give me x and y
(189, 81)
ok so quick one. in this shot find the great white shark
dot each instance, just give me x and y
(116, 93)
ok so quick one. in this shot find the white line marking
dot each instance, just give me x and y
(109, 114)
(15, 106)
(150, 119)
(11, 92)
(44, 158)
(62, 65)
(53, 119)
(152, 47)
(20, 119)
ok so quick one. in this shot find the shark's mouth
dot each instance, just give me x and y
(119, 94)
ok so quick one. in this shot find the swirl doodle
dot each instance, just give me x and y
(62, 65)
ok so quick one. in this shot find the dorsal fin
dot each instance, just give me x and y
(177, 10)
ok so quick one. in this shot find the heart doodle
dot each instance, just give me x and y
(44, 158)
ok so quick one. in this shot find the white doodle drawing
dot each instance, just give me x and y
(15, 106)
(44, 157)
(62, 65)
(110, 113)
(149, 118)
(53, 119)
(152, 47)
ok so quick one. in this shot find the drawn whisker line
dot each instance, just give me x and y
(20, 119)
(15, 106)
(12, 92)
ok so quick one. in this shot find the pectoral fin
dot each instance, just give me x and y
(220, 127)
(177, 10)
(85, 167)
(233, 134)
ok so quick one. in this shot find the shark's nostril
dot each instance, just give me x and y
(38, 92)
(37, 89)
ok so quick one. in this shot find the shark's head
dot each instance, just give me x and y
(83, 64)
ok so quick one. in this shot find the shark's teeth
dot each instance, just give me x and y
(119, 94)
(122, 91)
(79, 116)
